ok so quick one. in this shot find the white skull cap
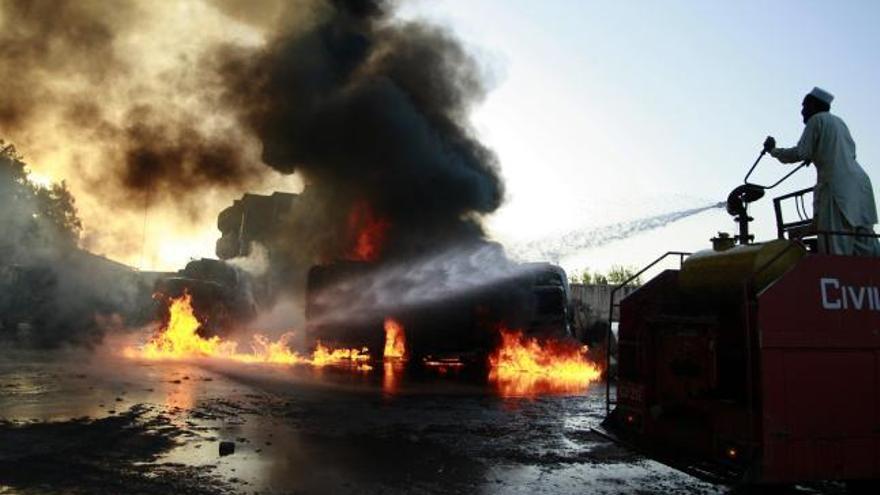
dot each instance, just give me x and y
(822, 95)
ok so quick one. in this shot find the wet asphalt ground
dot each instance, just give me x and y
(80, 422)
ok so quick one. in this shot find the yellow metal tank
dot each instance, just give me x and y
(723, 272)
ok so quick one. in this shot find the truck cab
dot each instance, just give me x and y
(222, 294)
(536, 300)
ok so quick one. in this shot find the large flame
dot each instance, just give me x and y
(179, 340)
(368, 232)
(395, 340)
(525, 366)
(520, 366)
(393, 355)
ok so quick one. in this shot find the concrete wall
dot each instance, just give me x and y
(590, 304)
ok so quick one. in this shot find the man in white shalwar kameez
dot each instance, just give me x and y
(843, 198)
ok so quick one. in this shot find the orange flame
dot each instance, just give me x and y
(369, 232)
(324, 356)
(395, 340)
(179, 340)
(525, 366)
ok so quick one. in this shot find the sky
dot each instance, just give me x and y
(603, 112)
(599, 112)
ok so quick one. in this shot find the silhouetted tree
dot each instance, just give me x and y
(619, 274)
(586, 277)
(33, 219)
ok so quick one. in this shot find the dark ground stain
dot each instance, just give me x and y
(115, 454)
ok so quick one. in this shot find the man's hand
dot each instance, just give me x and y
(769, 144)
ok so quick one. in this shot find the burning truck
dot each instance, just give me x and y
(451, 303)
(372, 116)
(222, 294)
(534, 297)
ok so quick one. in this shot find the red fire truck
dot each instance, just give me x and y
(754, 362)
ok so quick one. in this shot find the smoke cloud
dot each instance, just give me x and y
(162, 113)
(52, 293)
(376, 111)
(113, 98)
(68, 62)
(182, 106)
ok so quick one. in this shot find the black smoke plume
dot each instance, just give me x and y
(370, 110)
(374, 111)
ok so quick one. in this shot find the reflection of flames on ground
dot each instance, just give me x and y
(180, 393)
(179, 340)
(525, 366)
(520, 366)
(392, 372)
(443, 365)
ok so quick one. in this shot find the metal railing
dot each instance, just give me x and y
(785, 229)
(612, 305)
(804, 219)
